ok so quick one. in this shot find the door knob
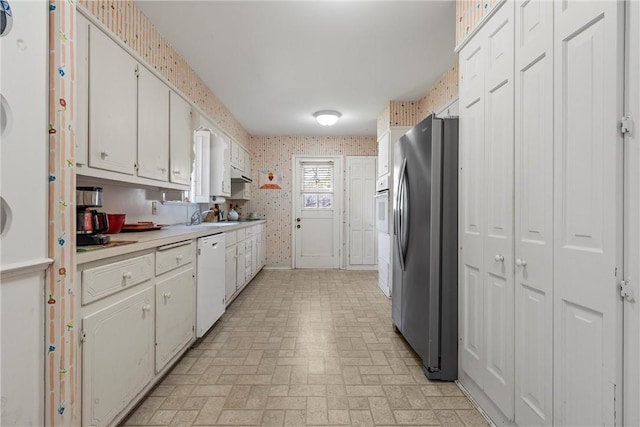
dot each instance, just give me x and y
(298, 226)
(298, 219)
(499, 258)
(521, 262)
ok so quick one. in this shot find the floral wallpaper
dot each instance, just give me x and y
(275, 154)
(61, 376)
(469, 13)
(128, 22)
(445, 89)
(409, 113)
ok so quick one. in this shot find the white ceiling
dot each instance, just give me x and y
(274, 63)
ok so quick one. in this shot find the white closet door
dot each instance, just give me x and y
(498, 203)
(588, 47)
(362, 188)
(534, 212)
(471, 214)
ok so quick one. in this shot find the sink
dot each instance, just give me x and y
(215, 224)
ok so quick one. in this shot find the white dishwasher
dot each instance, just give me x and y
(210, 282)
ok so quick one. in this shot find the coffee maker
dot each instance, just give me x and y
(89, 222)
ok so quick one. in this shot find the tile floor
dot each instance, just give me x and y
(302, 347)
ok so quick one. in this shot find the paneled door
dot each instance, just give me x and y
(317, 207)
(471, 215)
(588, 61)
(498, 205)
(533, 212)
(361, 212)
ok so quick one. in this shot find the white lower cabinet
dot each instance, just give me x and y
(117, 356)
(246, 255)
(175, 314)
(230, 273)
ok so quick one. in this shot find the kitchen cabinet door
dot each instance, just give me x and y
(153, 127)
(240, 265)
(180, 140)
(175, 314)
(255, 249)
(241, 158)
(113, 92)
(82, 88)
(263, 246)
(117, 356)
(384, 146)
(230, 272)
(235, 154)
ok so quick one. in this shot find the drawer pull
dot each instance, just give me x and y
(179, 258)
(146, 307)
(127, 275)
(167, 295)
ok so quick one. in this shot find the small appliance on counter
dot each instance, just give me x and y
(89, 222)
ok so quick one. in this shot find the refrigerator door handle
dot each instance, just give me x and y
(400, 214)
(405, 214)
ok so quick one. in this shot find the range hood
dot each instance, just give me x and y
(238, 176)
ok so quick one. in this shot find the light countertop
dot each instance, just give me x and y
(151, 239)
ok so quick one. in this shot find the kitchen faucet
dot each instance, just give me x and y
(196, 217)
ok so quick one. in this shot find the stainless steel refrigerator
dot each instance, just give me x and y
(425, 233)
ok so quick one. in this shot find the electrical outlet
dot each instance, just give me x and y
(154, 208)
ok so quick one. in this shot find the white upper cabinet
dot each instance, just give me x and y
(82, 87)
(180, 140)
(153, 127)
(235, 154)
(220, 171)
(242, 157)
(383, 154)
(112, 105)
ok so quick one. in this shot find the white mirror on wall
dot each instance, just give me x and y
(6, 18)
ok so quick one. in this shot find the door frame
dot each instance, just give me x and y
(338, 197)
(347, 218)
(631, 212)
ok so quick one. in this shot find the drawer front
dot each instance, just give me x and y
(173, 257)
(231, 238)
(249, 231)
(99, 282)
(242, 234)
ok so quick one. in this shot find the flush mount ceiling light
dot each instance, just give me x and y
(327, 117)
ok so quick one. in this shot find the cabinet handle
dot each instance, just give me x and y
(167, 295)
(499, 258)
(146, 307)
(521, 262)
(179, 258)
(127, 275)
(176, 171)
(162, 170)
(104, 155)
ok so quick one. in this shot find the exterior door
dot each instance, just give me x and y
(588, 61)
(361, 222)
(317, 196)
(534, 212)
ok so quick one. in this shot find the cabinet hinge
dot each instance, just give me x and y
(198, 251)
(83, 336)
(137, 71)
(625, 290)
(626, 125)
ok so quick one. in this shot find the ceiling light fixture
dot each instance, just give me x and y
(327, 117)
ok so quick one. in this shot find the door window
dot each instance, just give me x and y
(317, 185)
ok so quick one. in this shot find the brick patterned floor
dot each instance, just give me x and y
(304, 347)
